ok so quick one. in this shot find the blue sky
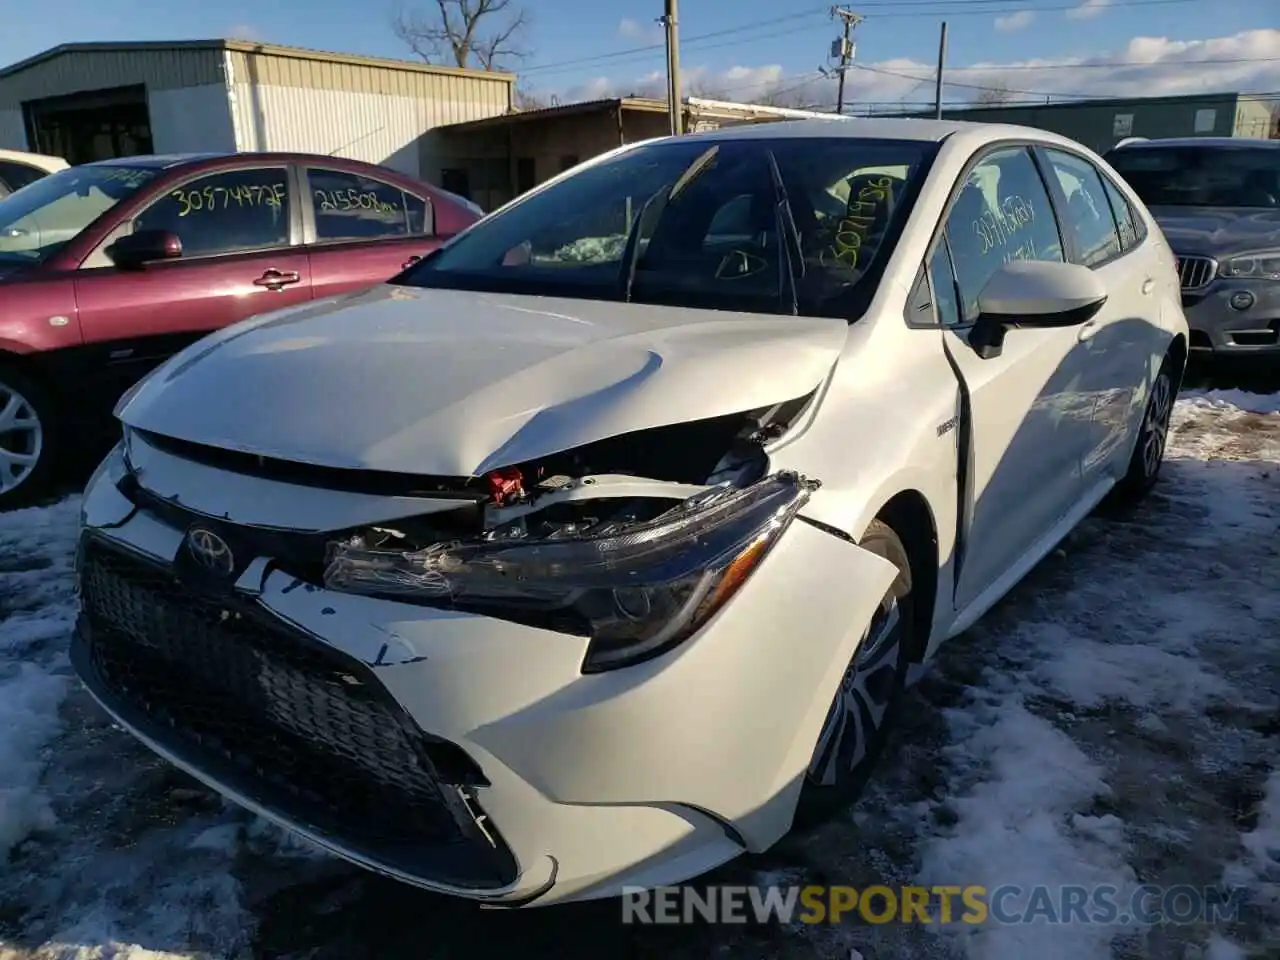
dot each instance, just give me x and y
(790, 39)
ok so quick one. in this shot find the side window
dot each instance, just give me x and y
(228, 212)
(1126, 219)
(1002, 213)
(733, 220)
(942, 280)
(1088, 214)
(351, 207)
(421, 216)
(18, 175)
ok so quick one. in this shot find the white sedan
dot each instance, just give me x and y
(594, 550)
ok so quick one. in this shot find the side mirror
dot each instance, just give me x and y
(138, 249)
(1034, 293)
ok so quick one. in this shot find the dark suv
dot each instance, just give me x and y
(1217, 199)
(107, 269)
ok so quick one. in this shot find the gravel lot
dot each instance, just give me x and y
(1115, 720)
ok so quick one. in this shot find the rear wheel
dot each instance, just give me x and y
(1153, 434)
(865, 706)
(26, 439)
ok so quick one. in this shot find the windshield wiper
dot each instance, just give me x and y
(658, 202)
(790, 254)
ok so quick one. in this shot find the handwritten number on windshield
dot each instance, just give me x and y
(201, 200)
(853, 228)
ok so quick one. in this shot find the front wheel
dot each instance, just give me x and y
(865, 706)
(26, 440)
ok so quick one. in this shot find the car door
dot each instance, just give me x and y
(1024, 417)
(1118, 340)
(237, 228)
(361, 231)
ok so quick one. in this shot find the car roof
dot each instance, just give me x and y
(42, 160)
(1226, 143)
(878, 128)
(168, 161)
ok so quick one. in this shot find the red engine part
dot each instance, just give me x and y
(505, 485)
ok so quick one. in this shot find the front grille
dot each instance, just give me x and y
(1196, 272)
(280, 717)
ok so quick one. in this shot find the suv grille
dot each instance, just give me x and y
(283, 719)
(1196, 272)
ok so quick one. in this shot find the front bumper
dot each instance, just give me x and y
(464, 754)
(1234, 317)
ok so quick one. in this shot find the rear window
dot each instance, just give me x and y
(706, 218)
(1201, 176)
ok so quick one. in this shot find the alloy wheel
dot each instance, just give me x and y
(21, 438)
(859, 708)
(1155, 426)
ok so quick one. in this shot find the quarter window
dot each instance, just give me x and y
(1088, 214)
(942, 281)
(1126, 219)
(1002, 213)
(351, 207)
(228, 212)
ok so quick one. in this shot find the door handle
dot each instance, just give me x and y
(410, 262)
(1087, 330)
(1147, 286)
(274, 279)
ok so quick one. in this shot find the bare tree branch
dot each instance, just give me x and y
(993, 96)
(464, 33)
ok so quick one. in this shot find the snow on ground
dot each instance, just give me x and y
(1114, 721)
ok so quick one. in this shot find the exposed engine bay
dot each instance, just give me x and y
(583, 543)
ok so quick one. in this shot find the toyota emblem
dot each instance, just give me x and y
(210, 551)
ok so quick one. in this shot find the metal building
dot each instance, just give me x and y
(92, 101)
(1101, 124)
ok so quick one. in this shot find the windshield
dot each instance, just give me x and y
(1199, 176)
(756, 225)
(38, 219)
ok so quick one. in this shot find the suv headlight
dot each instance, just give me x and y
(1262, 265)
(639, 589)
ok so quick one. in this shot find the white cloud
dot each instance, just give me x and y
(1145, 66)
(1015, 21)
(635, 30)
(242, 31)
(1088, 9)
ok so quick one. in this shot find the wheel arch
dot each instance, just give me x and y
(910, 516)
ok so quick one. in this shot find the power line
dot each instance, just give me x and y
(876, 10)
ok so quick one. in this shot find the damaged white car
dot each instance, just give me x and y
(594, 550)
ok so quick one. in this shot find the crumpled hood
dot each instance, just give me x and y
(1217, 231)
(450, 383)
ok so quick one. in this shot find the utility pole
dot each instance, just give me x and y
(842, 49)
(942, 62)
(674, 111)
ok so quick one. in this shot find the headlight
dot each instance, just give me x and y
(638, 590)
(1263, 265)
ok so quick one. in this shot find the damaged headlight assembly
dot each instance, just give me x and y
(639, 589)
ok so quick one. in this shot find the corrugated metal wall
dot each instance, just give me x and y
(374, 113)
(83, 70)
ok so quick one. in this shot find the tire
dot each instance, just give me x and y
(28, 439)
(872, 685)
(1153, 435)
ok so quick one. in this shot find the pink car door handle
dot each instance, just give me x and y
(410, 262)
(277, 279)
(1147, 286)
